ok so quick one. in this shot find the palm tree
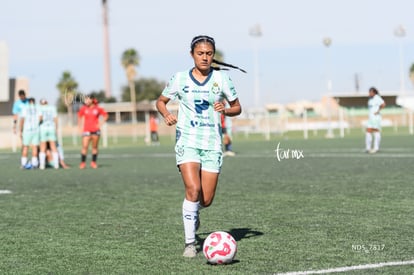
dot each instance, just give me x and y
(67, 86)
(129, 60)
(412, 73)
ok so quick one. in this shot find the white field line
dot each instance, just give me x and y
(349, 268)
(5, 192)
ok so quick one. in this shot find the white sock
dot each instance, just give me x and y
(42, 159)
(35, 162)
(55, 160)
(190, 215)
(368, 141)
(377, 140)
(23, 161)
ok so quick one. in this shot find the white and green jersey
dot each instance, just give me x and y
(374, 104)
(199, 126)
(31, 115)
(49, 114)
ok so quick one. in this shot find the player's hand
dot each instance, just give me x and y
(170, 119)
(219, 107)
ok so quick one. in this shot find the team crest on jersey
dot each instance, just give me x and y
(179, 149)
(215, 88)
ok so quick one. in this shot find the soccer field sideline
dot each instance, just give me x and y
(349, 268)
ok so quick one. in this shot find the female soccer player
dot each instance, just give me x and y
(48, 133)
(201, 92)
(375, 104)
(30, 118)
(88, 116)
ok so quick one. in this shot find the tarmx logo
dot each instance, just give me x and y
(201, 105)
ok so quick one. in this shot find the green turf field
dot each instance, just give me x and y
(325, 204)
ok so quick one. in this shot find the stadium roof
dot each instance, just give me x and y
(355, 101)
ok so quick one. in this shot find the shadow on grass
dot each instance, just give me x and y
(237, 233)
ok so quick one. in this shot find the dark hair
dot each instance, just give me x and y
(374, 90)
(22, 93)
(208, 39)
(32, 100)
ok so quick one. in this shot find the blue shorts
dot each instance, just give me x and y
(210, 160)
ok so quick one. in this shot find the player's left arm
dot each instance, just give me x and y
(382, 106)
(234, 109)
(104, 118)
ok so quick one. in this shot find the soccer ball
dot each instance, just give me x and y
(219, 248)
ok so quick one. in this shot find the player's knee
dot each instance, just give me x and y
(192, 193)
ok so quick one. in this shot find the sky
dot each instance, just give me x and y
(288, 62)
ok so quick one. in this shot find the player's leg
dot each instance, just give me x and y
(23, 159)
(377, 140)
(368, 140)
(211, 162)
(42, 155)
(55, 154)
(35, 155)
(190, 173)
(209, 182)
(84, 150)
(95, 151)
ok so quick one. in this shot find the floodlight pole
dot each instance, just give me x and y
(327, 41)
(107, 72)
(399, 32)
(256, 32)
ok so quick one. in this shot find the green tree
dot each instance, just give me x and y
(145, 89)
(412, 73)
(129, 60)
(101, 97)
(67, 86)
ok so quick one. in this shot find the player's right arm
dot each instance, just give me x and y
(169, 118)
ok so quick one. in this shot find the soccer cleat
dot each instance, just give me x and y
(42, 167)
(229, 153)
(190, 250)
(82, 165)
(373, 151)
(94, 165)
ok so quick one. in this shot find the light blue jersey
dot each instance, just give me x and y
(18, 106)
(199, 126)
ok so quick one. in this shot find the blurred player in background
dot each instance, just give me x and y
(17, 109)
(30, 118)
(373, 130)
(201, 92)
(89, 123)
(153, 122)
(48, 134)
(226, 125)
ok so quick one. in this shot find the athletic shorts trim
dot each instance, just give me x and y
(87, 134)
(209, 160)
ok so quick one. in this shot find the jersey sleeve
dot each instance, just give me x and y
(228, 88)
(171, 90)
(102, 111)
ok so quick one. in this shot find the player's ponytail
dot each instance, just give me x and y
(226, 65)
